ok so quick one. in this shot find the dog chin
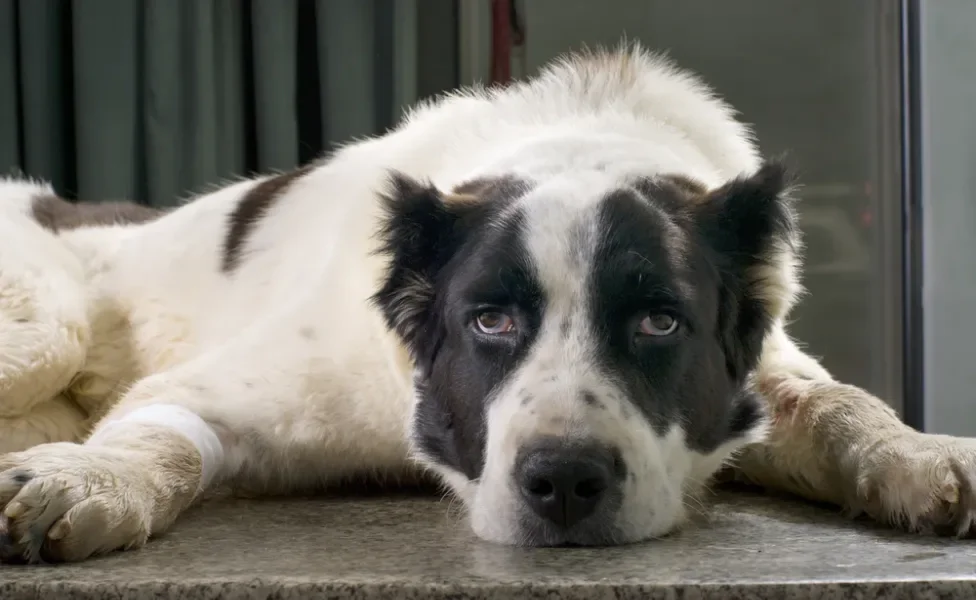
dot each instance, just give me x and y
(502, 519)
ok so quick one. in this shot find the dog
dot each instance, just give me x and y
(565, 299)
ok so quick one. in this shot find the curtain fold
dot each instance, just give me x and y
(274, 36)
(346, 49)
(153, 100)
(43, 98)
(10, 126)
(106, 49)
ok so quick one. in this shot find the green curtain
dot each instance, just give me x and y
(152, 100)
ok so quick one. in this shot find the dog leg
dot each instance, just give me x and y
(838, 444)
(44, 331)
(147, 461)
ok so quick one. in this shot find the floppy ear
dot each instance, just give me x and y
(419, 234)
(751, 225)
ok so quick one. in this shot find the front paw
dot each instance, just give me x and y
(67, 502)
(919, 482)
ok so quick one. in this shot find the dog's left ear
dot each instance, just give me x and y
(751, 225)
(419, 234)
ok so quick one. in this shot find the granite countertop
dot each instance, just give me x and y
(751, 546)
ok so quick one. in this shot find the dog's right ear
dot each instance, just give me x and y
(419, 234)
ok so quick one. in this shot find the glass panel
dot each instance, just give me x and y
(948, 146)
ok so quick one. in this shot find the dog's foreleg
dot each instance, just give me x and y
(839, 444)
(170, 438)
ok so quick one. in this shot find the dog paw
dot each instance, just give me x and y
(67, 502)
(920, 482)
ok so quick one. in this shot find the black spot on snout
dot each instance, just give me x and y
(565, 328)
(620, 469)
(590, 399)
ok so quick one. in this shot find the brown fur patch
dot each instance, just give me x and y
(597, 66)
(685, 184)
(57, 214)
(250, 210)
(475, 187)
(678, 191)
(488, 189)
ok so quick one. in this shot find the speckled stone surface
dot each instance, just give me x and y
(750, 546)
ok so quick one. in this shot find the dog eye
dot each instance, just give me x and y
(494, 323)
(658, 325)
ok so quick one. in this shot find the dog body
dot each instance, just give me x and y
(566, 299)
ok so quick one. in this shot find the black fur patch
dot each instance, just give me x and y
(700, 375)
(748, 411)
(423, 231)
(640, 270)
(250, 210)
(439, 248)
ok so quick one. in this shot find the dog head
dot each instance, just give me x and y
(582, 345)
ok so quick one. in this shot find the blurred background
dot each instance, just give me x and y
(872, 100)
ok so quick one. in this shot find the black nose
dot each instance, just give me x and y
(565, 483)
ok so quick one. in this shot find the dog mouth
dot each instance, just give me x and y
(596, 530)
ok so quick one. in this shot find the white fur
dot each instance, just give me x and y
(287, 359)
(43, 325)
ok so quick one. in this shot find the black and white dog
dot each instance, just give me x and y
(565, 298)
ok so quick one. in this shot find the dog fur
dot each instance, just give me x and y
(282, 326)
